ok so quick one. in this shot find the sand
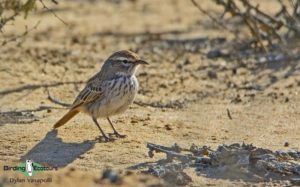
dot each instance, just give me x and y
(184, 95)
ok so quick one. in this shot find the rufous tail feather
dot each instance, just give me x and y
(66, 118)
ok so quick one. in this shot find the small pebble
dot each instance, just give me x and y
(111, 175)
(134, 121)
(212, 75)
(168, 127)
(295, 181)
(286, 99)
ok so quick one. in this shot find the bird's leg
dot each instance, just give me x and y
(106, 138)
(115, 131)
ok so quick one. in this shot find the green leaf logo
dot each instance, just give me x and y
(30, 168)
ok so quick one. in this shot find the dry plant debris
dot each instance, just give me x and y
(11, 9)
(241, 161)
(267, 30)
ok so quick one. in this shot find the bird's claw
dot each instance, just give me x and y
(120, 135)
(108, 139)
(116, 134)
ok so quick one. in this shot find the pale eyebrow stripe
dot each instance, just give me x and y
(123, 58)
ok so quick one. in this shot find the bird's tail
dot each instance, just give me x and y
(66, 118)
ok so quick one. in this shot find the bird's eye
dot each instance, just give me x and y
(125, 61)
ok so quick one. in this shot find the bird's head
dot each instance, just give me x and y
(122, 63)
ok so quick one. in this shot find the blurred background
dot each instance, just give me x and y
(221, 72)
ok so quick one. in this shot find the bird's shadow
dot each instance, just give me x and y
(54, 152)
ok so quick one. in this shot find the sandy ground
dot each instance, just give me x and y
(185, 95)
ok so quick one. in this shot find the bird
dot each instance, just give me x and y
(109, 92)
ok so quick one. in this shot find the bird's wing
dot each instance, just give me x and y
(91, 92)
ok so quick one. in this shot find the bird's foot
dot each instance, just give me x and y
(107, 139)
(116, 134)
(120, 135)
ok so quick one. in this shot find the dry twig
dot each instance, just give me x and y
(228, 113)
(25, 33)
(245, 160)
(218, 22)
(266, 29)
(56, 101)
(44, 6)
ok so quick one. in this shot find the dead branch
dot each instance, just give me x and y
(56, 101)
(265, 29)
(170, 104)
(37, 86)
(54, 1)
(219, 23)
(25, 33)
(245, 159)
(10, 9)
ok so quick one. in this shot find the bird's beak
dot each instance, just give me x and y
(142, 62)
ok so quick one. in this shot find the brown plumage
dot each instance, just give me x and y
(109, 92)
(66, 118)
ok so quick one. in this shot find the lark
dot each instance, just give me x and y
(109, 92)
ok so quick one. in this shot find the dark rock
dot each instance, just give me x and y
(110, 175)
